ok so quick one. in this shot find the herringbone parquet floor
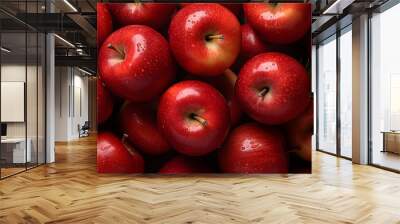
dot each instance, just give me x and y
(70, 191)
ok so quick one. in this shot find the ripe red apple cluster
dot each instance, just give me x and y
(204, 88)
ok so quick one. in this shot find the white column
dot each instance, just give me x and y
(360, 90)
(50, 98)
(50, 92)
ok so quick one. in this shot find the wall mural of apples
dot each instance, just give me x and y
(204, 88)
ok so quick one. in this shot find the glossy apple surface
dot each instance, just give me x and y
(252, 45)
(300, 131)
(251, 148)
(225, 83)
(273, 88)
(235, 8)
(155, 15)
(136, 64)
(279, 23)
(104, 23)
(139, 123)
(105, 103)
(185, 165)
(194, 117)
(205, 38)
(114, 157)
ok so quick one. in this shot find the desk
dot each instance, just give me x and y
(15, 148)
(391, 141)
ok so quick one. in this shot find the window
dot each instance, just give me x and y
(346, 92)
(22, 101)
(385, 89)
(327, 96)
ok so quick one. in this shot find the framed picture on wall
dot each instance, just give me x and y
(12, 101)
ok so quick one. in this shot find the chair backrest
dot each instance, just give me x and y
(86, 125)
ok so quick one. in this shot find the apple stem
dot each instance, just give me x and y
(128, 146)
(117, 50)
(124, 138)
(228, 71)
(263, 92)
(216, 36)
(199, 119)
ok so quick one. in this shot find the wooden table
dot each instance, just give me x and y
(14, 150)
(391, 141)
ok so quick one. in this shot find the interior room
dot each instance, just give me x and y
(25, 65)
(49, 128)
(22, 103)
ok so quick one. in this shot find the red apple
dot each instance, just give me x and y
(225, 83)
(139, 123)
(251, 148)
(205, 38)
(251, 46)
(300, 131)
(104, 23)
(273, 88)
(136, 64)
(114, 157)
(251, 43)
(194, 117)
(104, 103)
(235, 8)
(155, 15)
(184, 165)
(279, 23)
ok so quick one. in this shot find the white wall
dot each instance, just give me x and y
(80, 89)
(33, 127)
(16, 72)
(61, 103)
(70, 83)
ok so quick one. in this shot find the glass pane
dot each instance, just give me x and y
(41, 99)
(385, 84)
(314, 90)
(13, 87)
(327, 96)
(346, 94)
(31, 98)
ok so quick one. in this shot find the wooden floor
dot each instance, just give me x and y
(10, 171)
(387, 159)
(70, 191)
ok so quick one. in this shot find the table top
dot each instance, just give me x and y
(13, 140)
(391, 132)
